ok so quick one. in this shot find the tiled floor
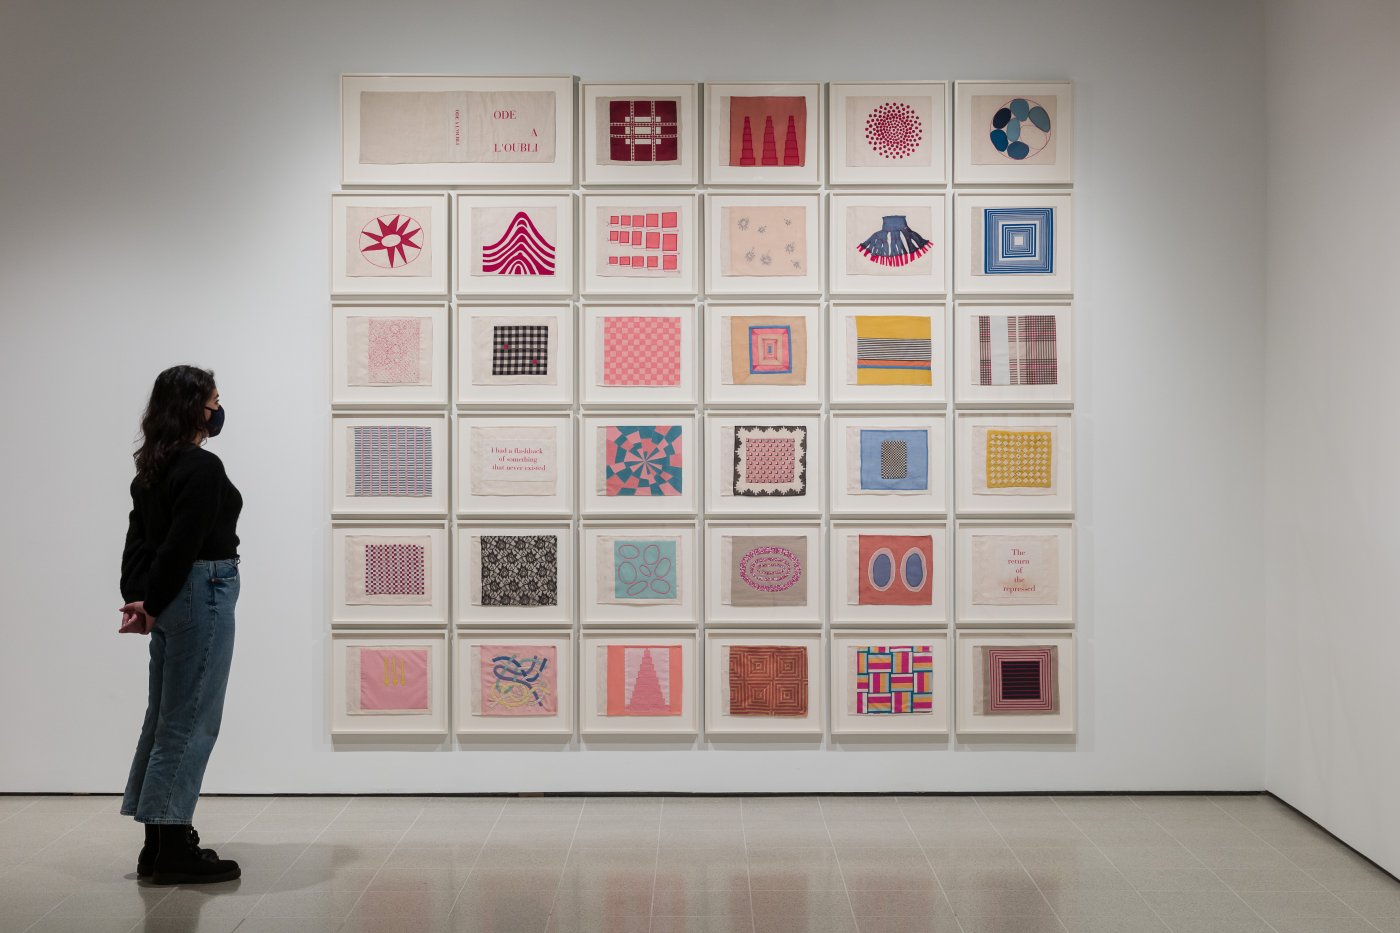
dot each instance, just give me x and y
(719, 865)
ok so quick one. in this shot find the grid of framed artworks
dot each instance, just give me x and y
(662, 410)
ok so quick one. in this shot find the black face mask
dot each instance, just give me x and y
(215, 424)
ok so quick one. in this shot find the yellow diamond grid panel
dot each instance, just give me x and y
(1019, 459)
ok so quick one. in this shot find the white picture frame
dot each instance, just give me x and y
(452, 102)
(795, 488)
(1005, 569)
(767, 251)
(637, 465)
(873, 232)
(972, 722)
(478, 387)
(503, 245)
(431, 723)
(885, 390)
(862, 483)
(1027, 261)
(1012, 358)
(1046, 160)
(472, 608)
(353, 597)
(470, 721)
(678, 600)
(520, 477)
(639, 325)
(846, 718)
(389, 244)
(346, 503)
(719, 169)
(604, 698)
(848, 568)
(719, 718)
(655, 235)
(723, 372)
(726, 543)
(601, 167)
(1022, 458)
(377, 362)
(909, 120)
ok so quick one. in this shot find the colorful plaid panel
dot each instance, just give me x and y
(897, 679)
(1017, 350)
(393, 460)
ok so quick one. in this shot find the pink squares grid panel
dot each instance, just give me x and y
(642, 351)
(649, 241)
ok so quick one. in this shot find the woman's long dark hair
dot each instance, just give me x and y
(174, 417)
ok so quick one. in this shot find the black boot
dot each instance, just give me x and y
(180, 860)
(145, 862)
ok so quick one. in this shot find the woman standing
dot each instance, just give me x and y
(180, 582)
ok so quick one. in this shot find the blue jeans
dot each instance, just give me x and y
(191, 650)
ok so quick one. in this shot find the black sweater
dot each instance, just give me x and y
(190, 513)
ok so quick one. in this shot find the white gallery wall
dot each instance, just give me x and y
(1333, 448)
(165, 173)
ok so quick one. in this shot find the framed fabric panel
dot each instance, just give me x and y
(637, 133)
(1013, 354)
(389, 244)
(763, 134)
(1013, 244)
(890, 464)
(763, 355)
(641, 244)
(384, 573)
(639, 683)
(888, 354)
(518, 573)
(891, 573)
(1015, 463)
(1016, 132)
(639, 464)
(640, 574)
(763, 574)
(764, 682)
(1019, 573)
(888, 134)
(515, 464)
(514, 682)
(389, 683)
(389, 465)
(389, 356)
(764, 465)
(894, 682)
(763, 244)
(888, 244)
(514, 244)
(639, 356)
(510, 355)
(457, 130)
(1016, 683)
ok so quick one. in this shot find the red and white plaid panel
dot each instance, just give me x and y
(641, 351)
(643, 131)
(395, 570)
(649, 241)
(1025, 355)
